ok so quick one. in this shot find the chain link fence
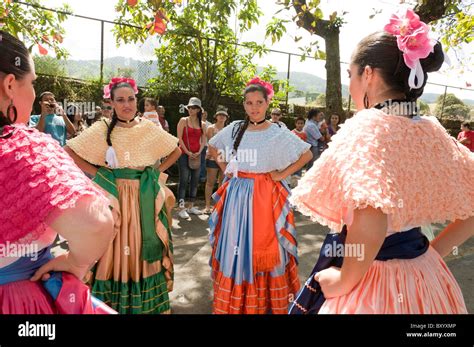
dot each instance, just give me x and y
(95, 55)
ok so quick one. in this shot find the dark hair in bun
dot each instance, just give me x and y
(14, 59)
(379, 50)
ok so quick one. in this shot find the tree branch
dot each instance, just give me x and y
(308, 21)
(431, 10)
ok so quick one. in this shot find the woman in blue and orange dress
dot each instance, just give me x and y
(254, 255)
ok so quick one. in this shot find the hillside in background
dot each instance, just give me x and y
(304, 83)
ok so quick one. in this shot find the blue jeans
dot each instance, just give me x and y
(184, 173)
(203, 174)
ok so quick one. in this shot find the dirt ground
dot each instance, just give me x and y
(193, 286)
(192, 292)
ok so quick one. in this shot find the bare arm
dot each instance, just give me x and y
(70, 128)
(453, 236)
(81, 163)
(290, 170)
(366, 234)
(368, 229)
(209, 132)
(41, 123)
(180, 129)
(170, 160)
(89, 228)
(217, 158)
(203, 139)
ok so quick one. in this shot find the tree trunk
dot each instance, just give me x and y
(333, 75)
(210, 99)
(330, 34)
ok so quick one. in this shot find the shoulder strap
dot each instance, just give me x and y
(187, 134)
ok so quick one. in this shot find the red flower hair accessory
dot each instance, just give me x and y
(268, 86)
(116, 80)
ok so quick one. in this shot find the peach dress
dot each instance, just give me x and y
(415, 173)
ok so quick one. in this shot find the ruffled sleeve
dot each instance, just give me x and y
(412, 170)
(141, 145)
(289, 148)
(91, 144)
(165, 143)
(223, 139)
(38, 178)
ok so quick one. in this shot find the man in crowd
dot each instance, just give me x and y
(52, 120)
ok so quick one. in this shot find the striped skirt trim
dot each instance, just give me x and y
(265, 295)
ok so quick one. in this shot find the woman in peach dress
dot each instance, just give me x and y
(389, 172)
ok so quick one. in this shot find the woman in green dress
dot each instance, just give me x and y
(123, 155)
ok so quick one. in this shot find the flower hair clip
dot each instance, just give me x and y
(414, 41)
(116, 80)
(268, 86)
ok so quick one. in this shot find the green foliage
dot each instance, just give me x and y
(124, 72)
(49, 66)
(424, 107)
(310, 17)
(198, 52)
(321, 100)
(453, 106)
(34, 26)
(69, 89)
(276, 28)
(281, 87)
(457, 25)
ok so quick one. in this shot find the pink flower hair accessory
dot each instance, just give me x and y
(268, 86)
(116, 80)
(414, 41)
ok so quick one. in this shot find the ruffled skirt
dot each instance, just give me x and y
(423, 285)
(121, 279)
(239, 288)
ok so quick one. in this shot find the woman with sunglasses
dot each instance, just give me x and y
(192, 140)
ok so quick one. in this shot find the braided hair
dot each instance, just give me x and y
(241, 127)
(114, 121)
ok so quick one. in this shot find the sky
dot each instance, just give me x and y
(82, 38)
